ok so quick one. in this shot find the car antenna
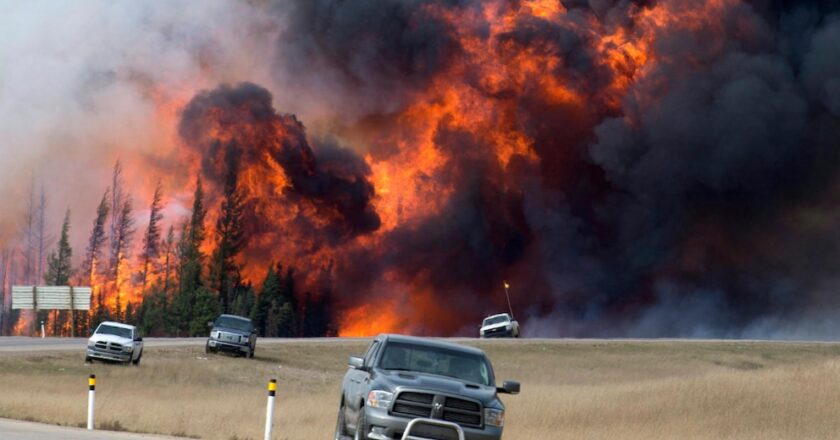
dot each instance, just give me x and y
(507, 294)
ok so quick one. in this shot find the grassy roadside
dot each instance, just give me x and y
(571, 389)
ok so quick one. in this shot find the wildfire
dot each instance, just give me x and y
(519, 92)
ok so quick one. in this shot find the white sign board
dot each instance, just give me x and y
(51, 297)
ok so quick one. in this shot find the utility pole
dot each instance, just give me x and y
(507, 294)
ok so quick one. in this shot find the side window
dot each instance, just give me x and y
(371, 353)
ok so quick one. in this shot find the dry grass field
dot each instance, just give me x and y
(570, 389)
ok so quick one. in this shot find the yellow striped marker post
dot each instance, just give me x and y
(91, 398)
(269, 412)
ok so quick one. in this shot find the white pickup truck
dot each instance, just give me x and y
(499, 326)
(115, 341)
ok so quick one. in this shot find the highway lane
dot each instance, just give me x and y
(23, 344)
(18, 430)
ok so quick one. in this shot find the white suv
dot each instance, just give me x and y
(115, 341)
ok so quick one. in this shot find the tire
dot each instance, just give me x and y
(207, 349)
(361, 426)
(252, 352)
(249, 353)
(88, 360)
(137, 361)
(340, 424)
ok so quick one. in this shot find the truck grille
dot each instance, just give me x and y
(495, 331)
(418, 404)
(229, 337)
(109, 346)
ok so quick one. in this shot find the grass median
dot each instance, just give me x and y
(570, 389)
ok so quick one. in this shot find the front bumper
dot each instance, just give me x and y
(109, 355)
(227, 346)
(504, 333)
(384, 426)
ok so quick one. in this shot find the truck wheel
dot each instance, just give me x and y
(137, 361)
(361, 426)
(340, 426)
(252, 352)
(249, 353)
(207, 349)
(88, 360)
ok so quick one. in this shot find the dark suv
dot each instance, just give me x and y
(233, 334)
(401, 378)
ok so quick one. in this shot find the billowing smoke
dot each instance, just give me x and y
(631, 168)
(238, 127)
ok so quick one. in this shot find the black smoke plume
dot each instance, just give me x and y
(240, 121)
(702, 204)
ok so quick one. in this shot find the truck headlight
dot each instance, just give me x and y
(128, 348)
(494, 417)
(508, 327)
(214, 335)
(91, 344)
(379, 399)
(243, 339)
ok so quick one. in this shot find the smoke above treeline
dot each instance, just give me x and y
(631, 168)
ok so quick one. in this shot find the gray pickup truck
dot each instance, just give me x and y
(401, 378)
(232, 334)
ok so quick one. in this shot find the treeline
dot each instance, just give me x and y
(172, 288)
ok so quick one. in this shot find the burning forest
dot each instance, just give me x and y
(631, 168)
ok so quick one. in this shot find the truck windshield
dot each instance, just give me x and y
(122, 332)
(495, 320)
(433, 360)
(234, 323)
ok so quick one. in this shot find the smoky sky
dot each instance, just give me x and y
(700, 200)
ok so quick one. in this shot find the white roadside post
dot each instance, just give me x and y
(91, 398)
(269, 411)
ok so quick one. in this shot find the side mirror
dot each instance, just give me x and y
(509, 387)
(210, 324)
(356, 362)
(139, 339)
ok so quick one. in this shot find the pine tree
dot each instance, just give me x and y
(93, 258)
(151, 240)
(269, 294)
(4, 272)
(93, 255)
(29, 241)
(117, 194)
(190, 246)
(191, 288)
(120, 246)
(224, 270)
(169, 258)
(41, 237)
(59, 266)
(274, 312)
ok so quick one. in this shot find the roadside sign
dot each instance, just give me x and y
(51, 297)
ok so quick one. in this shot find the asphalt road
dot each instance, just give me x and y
(24, 343)
(27, 344)
(17, 430)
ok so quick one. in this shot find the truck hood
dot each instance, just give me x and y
(110, 338)
(230, 330)
(440, 384)
(495, 326)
